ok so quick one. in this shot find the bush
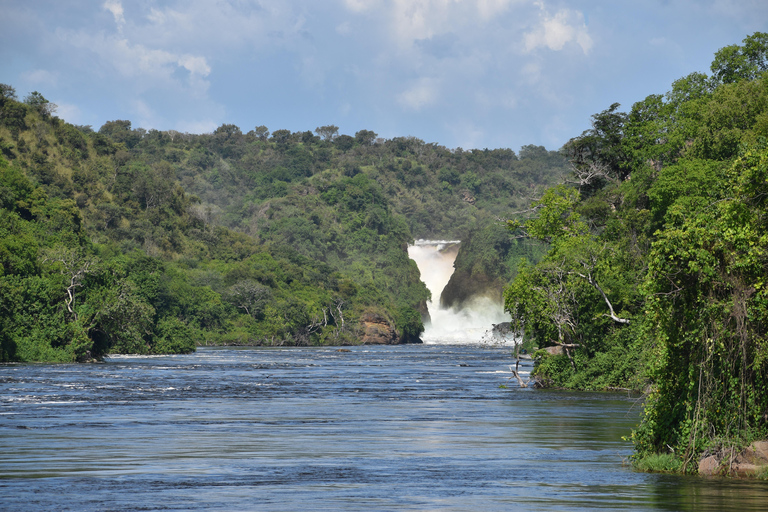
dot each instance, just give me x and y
(174, 337)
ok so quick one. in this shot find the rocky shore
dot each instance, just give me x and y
(748, 462)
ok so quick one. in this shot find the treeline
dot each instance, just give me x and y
(127, 240)
(656, 274)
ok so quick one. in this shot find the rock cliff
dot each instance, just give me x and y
(377, 330)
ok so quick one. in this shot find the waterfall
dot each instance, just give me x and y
(471, 324)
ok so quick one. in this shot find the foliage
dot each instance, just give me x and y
(655, 274)
(128, 240)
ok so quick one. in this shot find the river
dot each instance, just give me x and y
(420, 427)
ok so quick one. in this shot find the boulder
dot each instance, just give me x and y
(556, 350)
(748, 462)
(709, 466)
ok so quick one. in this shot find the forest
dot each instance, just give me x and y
(123, 240)
(638, 250)
(655, 277)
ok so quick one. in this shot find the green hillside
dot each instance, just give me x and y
(148, 241)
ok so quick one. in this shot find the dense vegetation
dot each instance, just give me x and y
(647, 265)
(127, 240)
(656, 273)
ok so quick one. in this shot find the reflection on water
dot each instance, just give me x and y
(378, 428)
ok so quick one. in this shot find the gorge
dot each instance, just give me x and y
(468, 322)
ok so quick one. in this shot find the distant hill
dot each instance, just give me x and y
(154, 241)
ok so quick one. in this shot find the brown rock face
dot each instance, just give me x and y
(377, 330)
(709, 465)
(746, 463)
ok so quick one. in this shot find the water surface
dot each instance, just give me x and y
(377, 428)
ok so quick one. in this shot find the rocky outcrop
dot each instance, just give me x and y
(556, 350)
(424, 312)
(464, 286)
(377, 330)
(467, 197)
(745, 463)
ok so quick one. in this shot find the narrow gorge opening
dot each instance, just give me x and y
(471, 323)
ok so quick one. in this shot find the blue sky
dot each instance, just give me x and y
(470, 74)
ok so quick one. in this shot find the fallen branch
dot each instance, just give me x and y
(515, 374)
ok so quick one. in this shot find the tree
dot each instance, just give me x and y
(250, 296)
(281, 137)
(228, 131)
(365, 137)
(120, 131)
(122, 319)
(262, 132)
(597, 155)
(328, 133)
(74, 265)
(39, 103)
(553, 292)
(734, 63)
(7, 93)
(707, 311)
(344, 142)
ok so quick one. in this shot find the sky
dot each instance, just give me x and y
(459, 73)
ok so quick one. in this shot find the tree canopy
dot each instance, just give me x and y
(122, 239)
(654, 278)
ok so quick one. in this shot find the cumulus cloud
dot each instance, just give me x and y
(205, 26)
(360, 5)
(116, 8)
(555, 31)
(154, 67)
(417, 19)
(490, 8)
(194, 64)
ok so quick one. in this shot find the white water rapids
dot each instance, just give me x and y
(469, 325)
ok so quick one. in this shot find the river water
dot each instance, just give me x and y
(421, 427)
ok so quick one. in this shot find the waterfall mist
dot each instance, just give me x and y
(470, 324)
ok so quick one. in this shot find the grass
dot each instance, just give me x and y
(658, 463)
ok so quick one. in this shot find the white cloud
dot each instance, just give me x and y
(490, 8)
(554, 32)
(116, 8)
(195, 64)
(151, 67)
(203, 26)
(422, 93)
(360, 5)
(416, 19)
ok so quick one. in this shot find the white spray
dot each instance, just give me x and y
(472, 323)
